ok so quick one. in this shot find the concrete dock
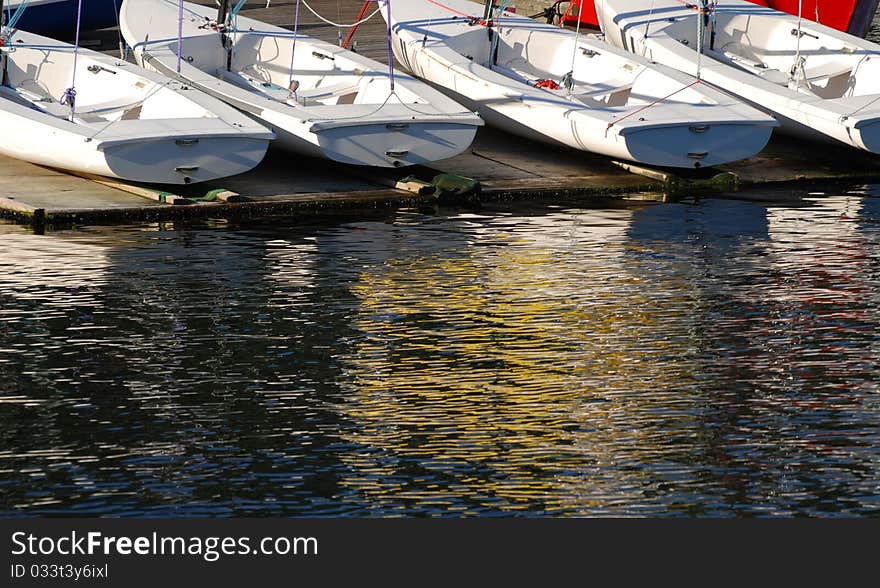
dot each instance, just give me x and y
(504, 165)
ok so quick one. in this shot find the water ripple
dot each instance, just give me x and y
(714, 358)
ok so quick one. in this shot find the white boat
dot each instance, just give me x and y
(555, 85)
(818, 81)
(127, 123)
(331, 103)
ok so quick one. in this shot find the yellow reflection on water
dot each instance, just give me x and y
(505, 374)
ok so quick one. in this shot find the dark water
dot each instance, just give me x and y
(712, 358)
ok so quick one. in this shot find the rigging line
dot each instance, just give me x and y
(237, 8)
(337, 25)
(293, 49)
(390, 50)
(650, 19)
(119, 38)
(797, 66)
(568, 79)
(138, 103)
(401, 103)
(179, 35)
(495, 19)
(861, 108)
(702, 22)
(233, 23)
(11, 22)
(351, 33)
(654, 103)
(69, 96)
(471, 18)
(4, 61)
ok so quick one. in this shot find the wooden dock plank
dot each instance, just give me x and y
(41, 187)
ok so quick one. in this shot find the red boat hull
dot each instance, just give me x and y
(851, 16)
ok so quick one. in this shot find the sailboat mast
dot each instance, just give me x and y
(487, 19)
(487, 15)
(223, 12)
(4, 76)
(225, 39)
(487, 11)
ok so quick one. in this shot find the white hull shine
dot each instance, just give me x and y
(128, 123)
(619, 105)
(818, 82)
(333, 103)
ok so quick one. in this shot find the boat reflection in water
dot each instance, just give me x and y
(602, 361)
(709, 358)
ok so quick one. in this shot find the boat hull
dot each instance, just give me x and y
(701, 146)
(128, 123)
(694, 126)
(837, 97)
(378, 144)
(169, 160)
(370, 125)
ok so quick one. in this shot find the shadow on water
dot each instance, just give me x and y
(711, 358)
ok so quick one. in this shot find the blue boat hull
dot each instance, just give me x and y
(58, 18)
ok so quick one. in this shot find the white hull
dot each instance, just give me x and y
(620, 106)
(343, 108)
(121, 126)
(833, 94)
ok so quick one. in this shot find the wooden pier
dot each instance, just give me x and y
(504, 165)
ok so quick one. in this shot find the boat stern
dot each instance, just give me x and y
(696, 145)
(183, 159)
(396, 141)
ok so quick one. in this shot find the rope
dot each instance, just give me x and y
(233, 22)
(390, 50)
(652, 104)
(139, 102)
(293, 49)
(650, 19)
(496, 38)
(364, 9)
(236, 9)
(179, 35)
(338, 29)
(700, 35)
(568, 79)
(69, 96)
(797, 74)
(337, 25)
(119, 38)
(471, 18)
(861, 108)
(11, 21)
(400, 102)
